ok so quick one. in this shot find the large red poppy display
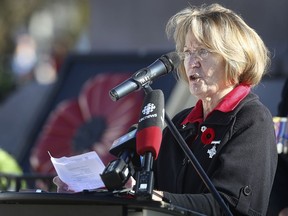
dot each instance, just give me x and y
(90, 122)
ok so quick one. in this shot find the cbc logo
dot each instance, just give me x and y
(148, 108)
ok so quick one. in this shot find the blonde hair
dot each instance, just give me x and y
(224, 32)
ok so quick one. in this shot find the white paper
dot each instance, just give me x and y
(80, 172)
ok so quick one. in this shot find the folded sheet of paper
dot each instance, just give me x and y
(80, 172)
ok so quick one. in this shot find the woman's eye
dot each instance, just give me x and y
(186, 53)
(203, 52)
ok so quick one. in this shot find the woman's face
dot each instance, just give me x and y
(204, 69)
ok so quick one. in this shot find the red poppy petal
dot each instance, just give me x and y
(56, 136)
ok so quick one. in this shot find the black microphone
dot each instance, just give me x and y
(126, 145)
(118, 171)
(165, 64)
(148, 141)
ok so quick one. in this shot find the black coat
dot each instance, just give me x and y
(242, 169)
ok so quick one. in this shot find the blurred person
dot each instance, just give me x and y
(230, 132)
(279, 195)
(24, 59)
(8, 166)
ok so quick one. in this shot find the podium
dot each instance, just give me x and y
(83, 204)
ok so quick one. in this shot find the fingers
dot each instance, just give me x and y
(61, 186)
(157, 195)
(130, 183)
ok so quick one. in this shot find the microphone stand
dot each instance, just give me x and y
(194, 161)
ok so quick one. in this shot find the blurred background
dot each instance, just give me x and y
(60, 58)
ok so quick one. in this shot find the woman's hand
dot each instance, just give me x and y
(62, 187)
(284, 212)
(130, 183)
(157, 195)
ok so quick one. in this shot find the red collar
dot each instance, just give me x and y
(227, 104)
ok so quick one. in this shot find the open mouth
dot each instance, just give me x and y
(194, 77)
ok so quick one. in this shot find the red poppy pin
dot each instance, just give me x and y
(207, 136)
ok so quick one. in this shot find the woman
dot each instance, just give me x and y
(229, 131)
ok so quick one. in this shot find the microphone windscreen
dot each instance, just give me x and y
(171, 60)
(151, 124)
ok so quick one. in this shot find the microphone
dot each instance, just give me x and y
(151, 124)
(126, 145)
(148, 141)
(118, 171)
(165, 64)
